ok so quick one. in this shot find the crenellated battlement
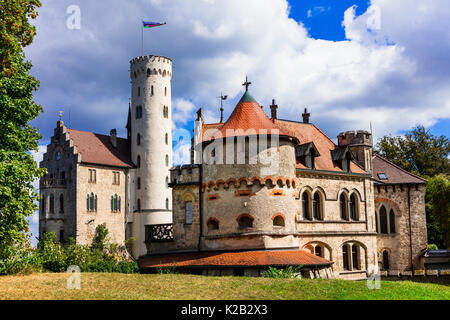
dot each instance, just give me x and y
(151, 58)
(148, 66)
(360, 137)
(185, 174)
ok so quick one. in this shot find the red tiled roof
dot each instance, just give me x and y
(310, 133)
(97, 149)
(247, 115)
(234, 259)
(394, 173)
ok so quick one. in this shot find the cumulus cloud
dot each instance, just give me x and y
(389, 71)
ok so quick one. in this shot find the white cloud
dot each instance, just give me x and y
(390, 73)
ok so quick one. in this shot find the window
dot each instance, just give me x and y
(139, 183)
(61, 204)
(391, 221)
(115, 203)
(165, 91)
(382, 176)
(353, 208)
(138, 112)
(309, 161)
(139, 91)
(385, 256)
(61, 235)
(52, 203)
(138, 204)
(245, 222)
(92, 176)
(166, 112)
(91, 202)
(278, 221)
(345, 257)
(305, 202)
(167, 182)
(149, 72)
(167, 160)
(138, 161)
(152, 91)
(317, 214)
(383, 221)
(138, 139)
(212, 224)
(167, 138)
(116, 178)
(355, 257)
(318, 251)
(167, 203)
(188, 212)
(343, 207)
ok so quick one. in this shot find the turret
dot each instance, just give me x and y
(360, 144)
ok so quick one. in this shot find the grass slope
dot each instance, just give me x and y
(179, 287)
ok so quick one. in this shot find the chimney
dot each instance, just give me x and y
(305, 116)
(113, 136)
(273, 109)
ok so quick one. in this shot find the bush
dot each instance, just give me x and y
(432, 246)
(289, 272)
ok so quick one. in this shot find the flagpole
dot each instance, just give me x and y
(142, 42)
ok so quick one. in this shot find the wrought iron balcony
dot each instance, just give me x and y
(53, 183)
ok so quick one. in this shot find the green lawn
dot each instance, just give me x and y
(179, 287)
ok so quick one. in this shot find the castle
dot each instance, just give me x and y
(260, 191)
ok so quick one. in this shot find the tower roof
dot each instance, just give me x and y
(248, 118)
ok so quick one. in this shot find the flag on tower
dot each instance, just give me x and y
(152, 24)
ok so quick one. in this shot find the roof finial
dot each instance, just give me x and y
(222, 98)
(246, 83)
(60, 115)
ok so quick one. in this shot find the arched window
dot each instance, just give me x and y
(138, 161)
(138, 139)
(52, 203)
(305, 200)
(391, 221)
(353, 208)
(317, 214)
(212, 224)
(139, 183)
(318, 251)
(167, 160)
(188, 212)
(165, 91)
(167, 138)
(345, 257)
(152, 91)
(138, 204)
(343, 207)
(44, 200)
(149, 72)
(355, 257)
(278, 221)
(245, 222)
(383, 221)
(91, 202)
(167, 203)
(167, 182)
(115, 206)
(61, 204)
(385, 260)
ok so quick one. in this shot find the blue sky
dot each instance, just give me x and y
(351, 63)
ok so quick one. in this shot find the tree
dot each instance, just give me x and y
(18, 170)
(418, 151)
(437, 205)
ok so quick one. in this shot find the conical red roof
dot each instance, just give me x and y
(249, 118)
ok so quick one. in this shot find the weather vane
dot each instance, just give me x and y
(222, 99)
(246, 83)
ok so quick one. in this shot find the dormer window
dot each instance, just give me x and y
(306, 153)
(382, 176)
(342, 157)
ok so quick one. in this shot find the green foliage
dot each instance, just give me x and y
(432, 246)
(166, 270)
(418, 151)
(17, 137)
(101, 237)
(289, 272)
(437, 206)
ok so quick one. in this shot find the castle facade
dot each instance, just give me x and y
(260, 191)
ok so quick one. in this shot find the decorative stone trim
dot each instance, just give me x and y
(289, 182)
(392, 203)
(387, 249)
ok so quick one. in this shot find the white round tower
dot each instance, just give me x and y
(151, 143)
